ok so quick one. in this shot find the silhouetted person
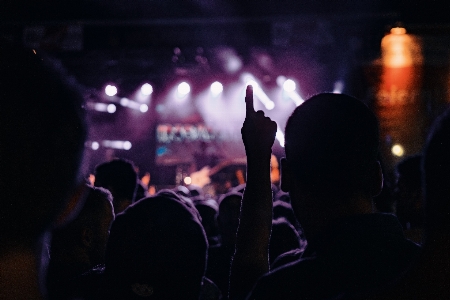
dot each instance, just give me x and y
(157, 249)
(208, 210)
(331, 173)
(80, 245)
(284, 238)
(409, 197)
(219, 256)
(120, 178)
(42, 141)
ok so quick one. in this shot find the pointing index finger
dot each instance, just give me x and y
(249, 101)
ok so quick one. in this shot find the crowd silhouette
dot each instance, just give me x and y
(321, 234)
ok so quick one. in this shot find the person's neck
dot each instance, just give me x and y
(19, 274)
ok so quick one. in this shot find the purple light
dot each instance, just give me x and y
(146, 89)
(110, 90)
(216, 88)
(183, 89)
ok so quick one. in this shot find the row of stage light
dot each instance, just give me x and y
(183, 89)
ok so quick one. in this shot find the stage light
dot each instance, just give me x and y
(183, 89)
(100, 107)
(398, 150)
(187, 180)
(146, 89)
(289, 85)
(124, 101)
(216, 88)
(143, 108)
(280, 137)
(338, 87)
(111, 108)
(95, 145)
(126, 145)
(280, 80)
(110, 90)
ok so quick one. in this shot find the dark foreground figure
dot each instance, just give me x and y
(331, 173)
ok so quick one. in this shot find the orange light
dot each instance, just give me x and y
(400, 50)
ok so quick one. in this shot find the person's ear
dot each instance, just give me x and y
(286, 177)
(73, 205)
(377, 179)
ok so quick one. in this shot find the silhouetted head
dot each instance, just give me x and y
(157, 249)
(331, 157)
(42, 141)
(86, 236)
(284, 238)
(228, 219)
(120, 178)
(208, 210)
(436, 166)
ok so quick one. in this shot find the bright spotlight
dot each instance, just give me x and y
(110, 90)
(111, 108)
(289, 85)
(95, 145)
(398, 150)
(124, 101)
(143, 108)
(126, 145)
(216, 88)
(146, 89)
(184, 88)
(187, 180)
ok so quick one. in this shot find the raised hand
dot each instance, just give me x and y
(258, 131)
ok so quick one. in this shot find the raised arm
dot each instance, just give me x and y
(251, 259)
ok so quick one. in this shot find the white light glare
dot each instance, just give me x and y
(125, 145)
(111, 108)
(184, 88)
(187, 180)
(110, 90)
(289, 85)
(146, 89)
(338, 87)
(95, 145)
(259, 93)
(216, 88)
(143, 108)
(398, 150)
(280, 137)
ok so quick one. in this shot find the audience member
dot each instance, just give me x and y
(208, 210)
(219, 257)
(331, 173)
(409, 197)
(284, 238)
(157, 249)
(42, 141)
(120, 178)
(80, 245)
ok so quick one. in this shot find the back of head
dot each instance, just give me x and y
(436, 166)
(157, 248)
(119, 177)
(331, 143)
(96, 215)
(42, 134)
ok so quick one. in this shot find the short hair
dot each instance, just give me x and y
(90, 216)
(331, 141)
(436, 166)
(121, 175)
(158, 243)
(42, 141)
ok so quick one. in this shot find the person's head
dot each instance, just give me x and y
(228, 218)
(436, 167)
(331, 167)
(120, 178)
(208, 210)
(408, 191)
(157, 249)
(84, 239)
(42, 141)
(284, 238)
